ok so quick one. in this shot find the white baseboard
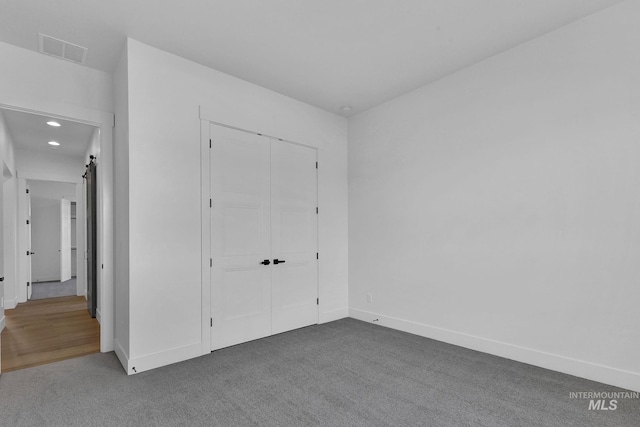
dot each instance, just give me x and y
(330, 316)
(46, 279)
(98, 316)
(2, 322)
(10, 304)
(155, 360)
(580, 368)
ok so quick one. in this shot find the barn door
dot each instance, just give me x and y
(92, 240)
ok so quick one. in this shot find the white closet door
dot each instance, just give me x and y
(294, 234)
(65, 240)
(241, 285)
(28, 244)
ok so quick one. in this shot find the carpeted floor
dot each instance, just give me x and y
(344, 373)
(42, 290)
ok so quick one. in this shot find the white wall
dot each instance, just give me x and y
(49, 166)
(7, 154)
(10, 244)
(165, 92)
(50, 84)
(8, 290)
(121, 211)
(7, 227)
(498, 208)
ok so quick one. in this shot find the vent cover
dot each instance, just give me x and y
(62, 49)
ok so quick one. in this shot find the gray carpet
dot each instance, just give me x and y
(42, 290)
(344, 373)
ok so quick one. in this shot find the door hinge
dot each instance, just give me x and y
(317, 301)
(211, 322)
(209, 143)
(27, 253)
(28, 283)
(103, 266)
(317, 255)
(210, 262)
(316, 209)
(27, 191)
(316, 165)
(210, 203)
(27, 222)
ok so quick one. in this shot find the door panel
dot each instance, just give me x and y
(29, 274)
(65, 240)
(294, 235)
(240, 235)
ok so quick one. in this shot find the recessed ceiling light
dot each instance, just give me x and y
(54, 143)
(54, 124)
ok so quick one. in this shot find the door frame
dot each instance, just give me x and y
(105, 121)
(205, 194)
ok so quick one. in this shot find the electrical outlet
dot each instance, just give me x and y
(369, 298)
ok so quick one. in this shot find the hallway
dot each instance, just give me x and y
(48, 330)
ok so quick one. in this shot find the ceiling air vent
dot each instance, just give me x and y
(62, 49)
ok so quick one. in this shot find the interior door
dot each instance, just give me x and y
(240, 218)
(29, 244)
(294, 234)
(65, 240)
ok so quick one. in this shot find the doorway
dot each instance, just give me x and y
(54, 243)
(264, 236)
(50, 187)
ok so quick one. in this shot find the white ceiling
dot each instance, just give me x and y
(31, 132)
(329, 53)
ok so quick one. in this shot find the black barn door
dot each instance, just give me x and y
(92, 244)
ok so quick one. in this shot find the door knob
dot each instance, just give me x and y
(265, 262)
(278, 261)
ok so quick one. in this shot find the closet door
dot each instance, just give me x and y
(294, 234)
(240, 236)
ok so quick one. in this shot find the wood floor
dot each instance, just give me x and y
(44, 331)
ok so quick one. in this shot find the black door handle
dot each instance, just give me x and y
(278, 261)
(265, 262)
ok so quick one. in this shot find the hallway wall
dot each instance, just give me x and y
(8, 225)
